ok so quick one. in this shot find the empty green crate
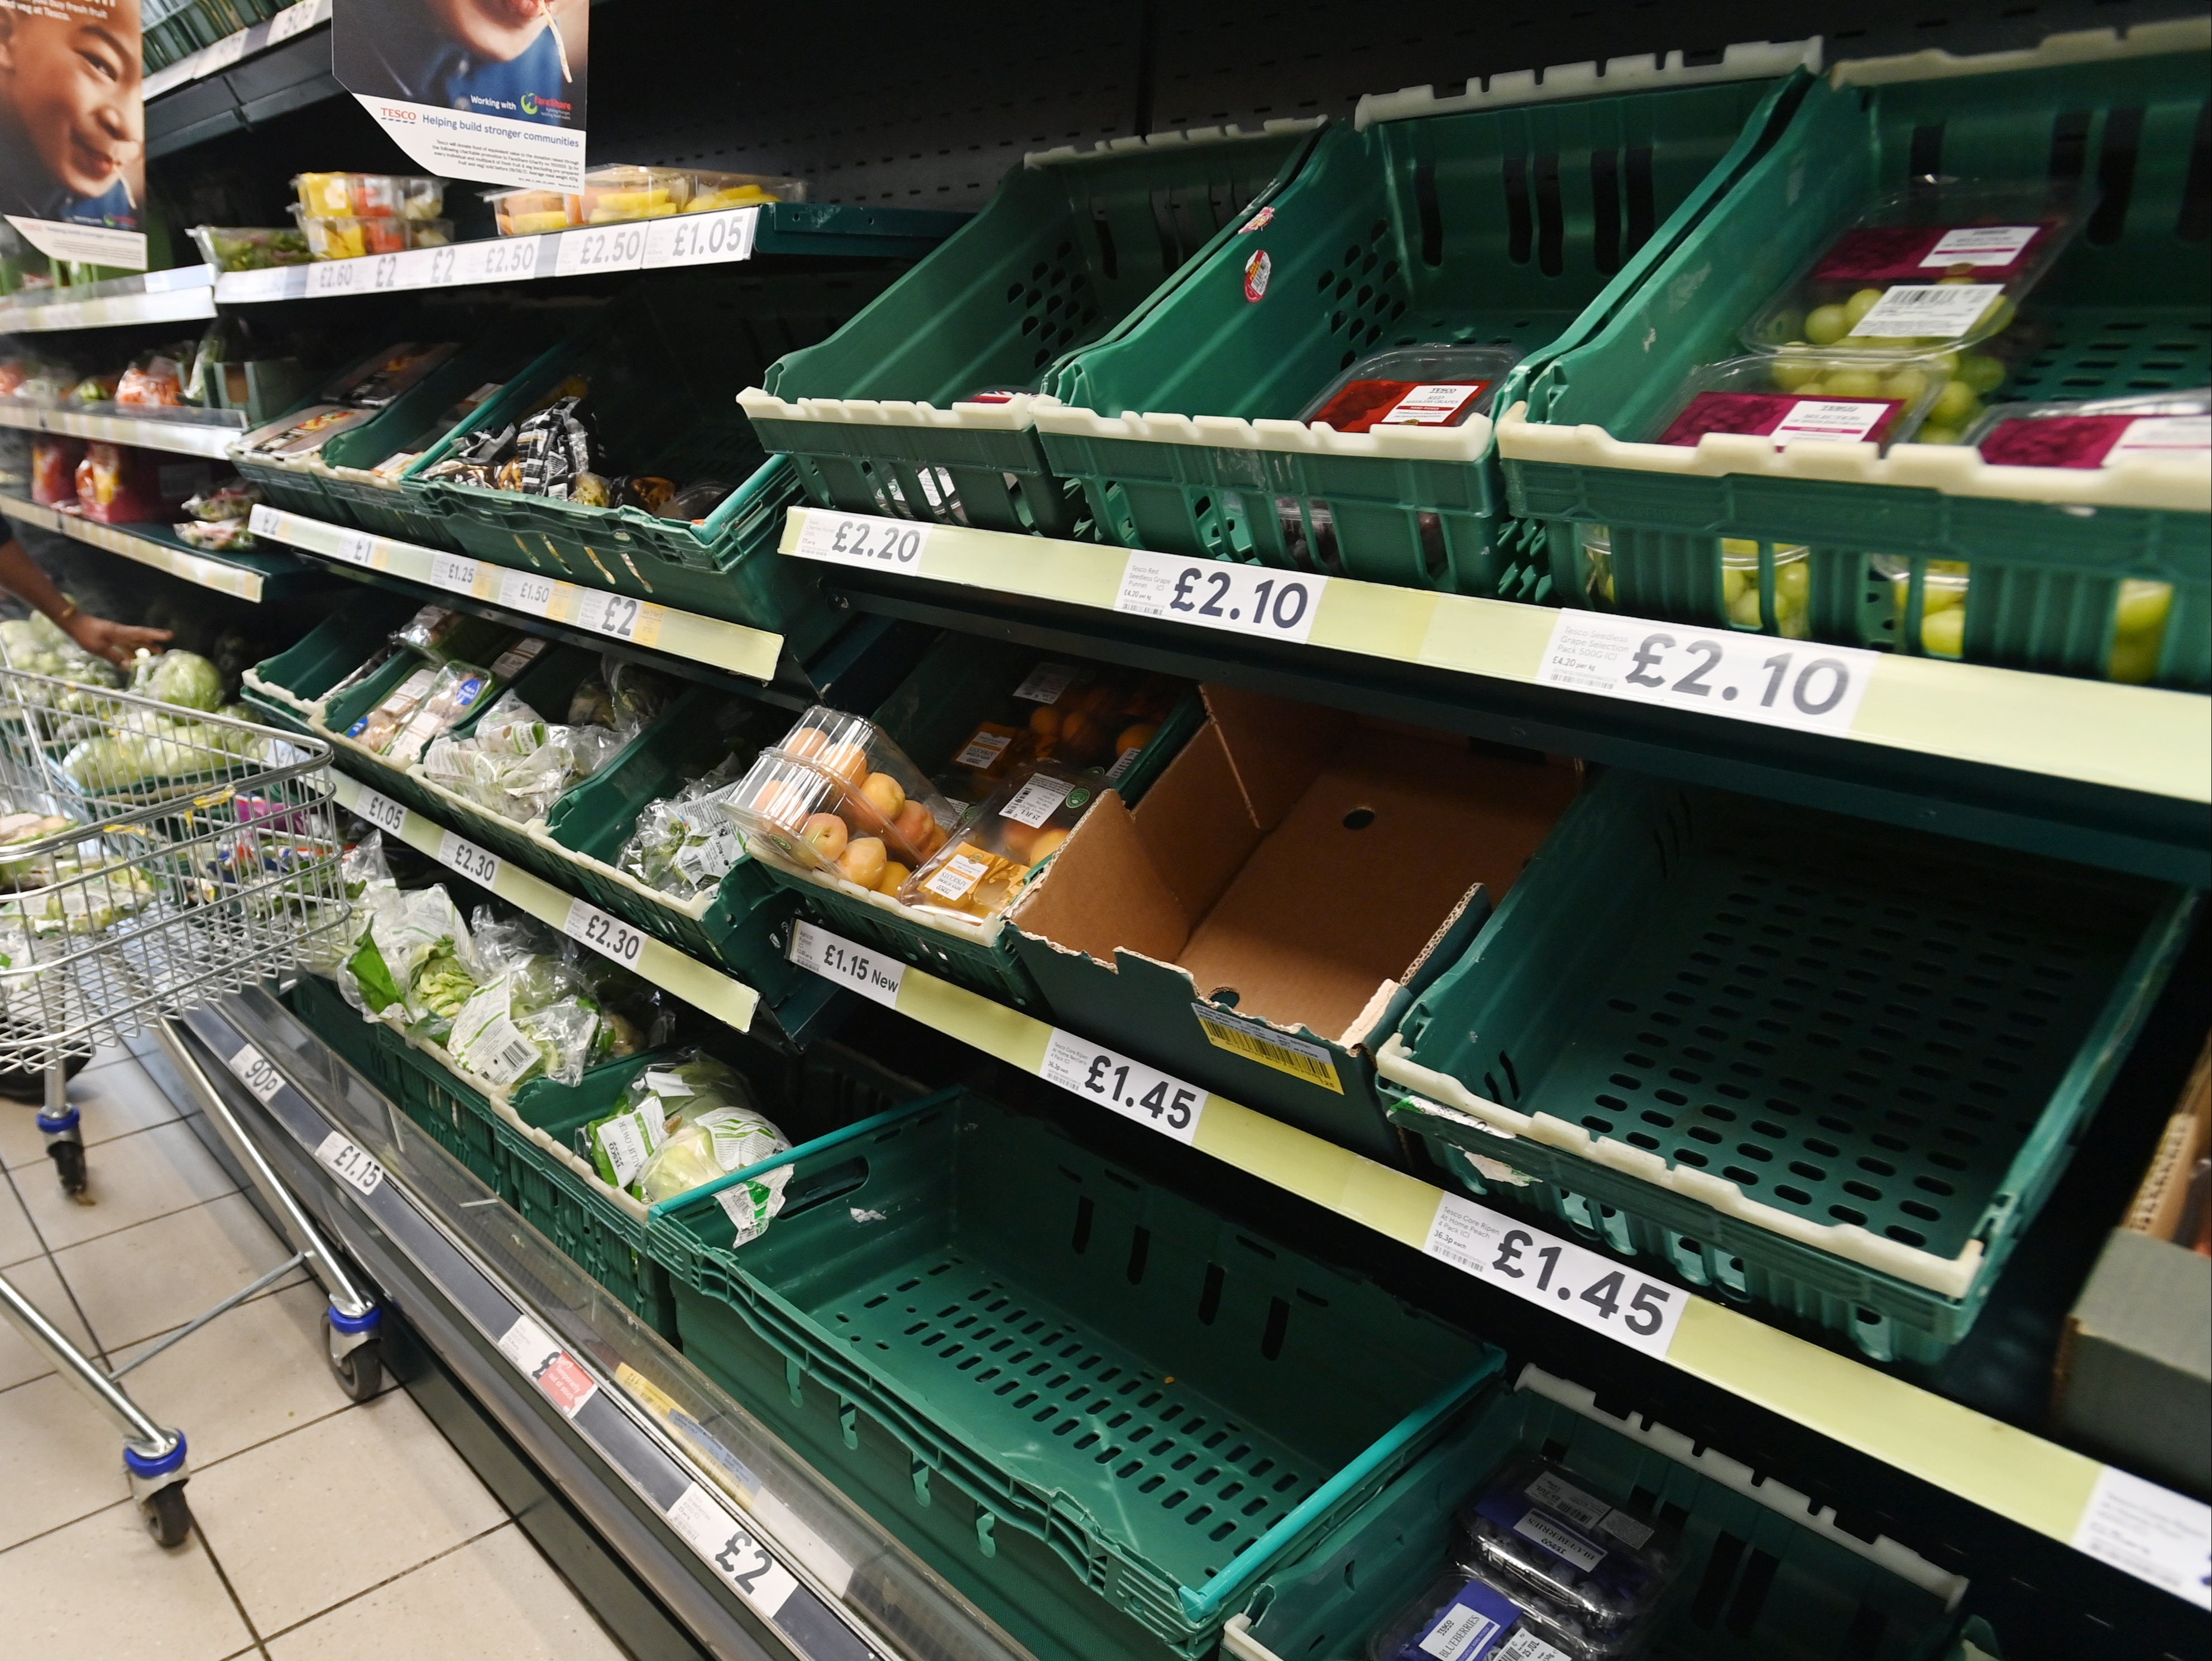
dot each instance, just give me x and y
(662, 366)
(1168, 1401)
(1517, 223)
(2123, 312)
(1070, 245)
(1798, 1059)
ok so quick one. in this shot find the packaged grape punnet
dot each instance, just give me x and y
(1790, 397)
(1433, 386)
(2105, 432)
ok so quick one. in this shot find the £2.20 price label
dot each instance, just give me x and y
(1589, 1290)
(1151, 1098)
(883, 545)
(1717, 672)
(1244, 599)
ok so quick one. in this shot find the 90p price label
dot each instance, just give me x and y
(1208, 594)
(611, 937)
(1153, 1099)
(893, 545)
(1717, 672)
(1589, 1289)
(256, 1071)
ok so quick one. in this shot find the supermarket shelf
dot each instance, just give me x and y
(182, 294)
(742, 1543)
(234, 48)
(728, 1000)
(243, 79)
(2158, 1536)
(188, 438)
(2111, 775)
(248, 576)
(644, 623)
(684, 242)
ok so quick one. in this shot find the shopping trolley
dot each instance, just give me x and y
(153, 859)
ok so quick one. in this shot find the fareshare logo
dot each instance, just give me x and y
(530, 103)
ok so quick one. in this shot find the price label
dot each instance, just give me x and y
(608, 248)
(1718, 671)
(389, 271)
(2151, 1533)
(525, 591)
(836, 958)
(352, 1164)
(255, 1071)
(297, 19)
(634, 620)
(494, 260)
(1158, 1100)
(1569, 1280)
(893, 545)
(381, 810)
(358, 548)
(222, 55)
(452, 572)
(470, 861)
(701, 238)
(546, 1364)
(1211, 593)
(731, 1551)
(265, 522)
(611, 937)
(335, 276)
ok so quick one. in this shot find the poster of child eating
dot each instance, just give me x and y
(73, 129)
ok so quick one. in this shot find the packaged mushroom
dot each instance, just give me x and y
(1598, 1571)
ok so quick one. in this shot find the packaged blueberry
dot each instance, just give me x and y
(1535, 1527)
(1476, 1617)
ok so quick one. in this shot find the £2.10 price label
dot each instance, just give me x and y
(352, 1164)
(834, 957)
(1589, 1290)
(1245, 600)
(1718, 672)
(882, 545)
(1113, 1080)
(611, 937)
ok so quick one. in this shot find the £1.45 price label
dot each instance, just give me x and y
(254, 1071)
(834, 957)
(1569, 1280)
(1210, 593)
(1113, 1080)
(1718, 672)
(882, 545)
(353, 1164)
(611, 937)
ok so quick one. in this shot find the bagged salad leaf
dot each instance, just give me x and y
(532, 1016)
(720, 1131)
(656, 1103)
(516, 763)
(683, 844)
(413, 964)
(620, 695)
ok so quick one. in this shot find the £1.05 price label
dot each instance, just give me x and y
(1718, 671)
(1245, 600)
(1128, 1087)
(611, 937)
(701, 238)
(1569, 1280)
(869, 973)
(381, 810)
(254, 1071)
(883, 545)
(352, 1164)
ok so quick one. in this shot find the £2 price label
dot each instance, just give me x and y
(893, 545)
(353, 1165)
(1113, 1080)
(1207, 594)
(1717, 672)
(836, 958)
(1589, 1290)
(731, 1551)
(255, 1072)
(611, 937)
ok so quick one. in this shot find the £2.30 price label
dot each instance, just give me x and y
(352, 1164)
(473, 862)
(1113, 1080)
(1245, 600)
(1589, 1290)
(611, 937)
(883, 545)
(836, 958)
(1717, 672)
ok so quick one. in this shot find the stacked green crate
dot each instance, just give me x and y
(2047, 549)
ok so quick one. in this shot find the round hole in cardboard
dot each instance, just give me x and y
(1359, 818)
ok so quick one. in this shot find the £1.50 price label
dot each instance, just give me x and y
(611, 937)
(836, 958)
(1113, 1080)
(1718, 672)
(1244, 599)
(353, 1165)
(883, 545)
(1589, 1290)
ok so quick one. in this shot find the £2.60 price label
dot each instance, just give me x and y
(1245, 600)
(836, 958)
(1128, 1087)
(611, 937)
(353, 1166)
(1588, 1289)
(1719, 672)
(893, 545)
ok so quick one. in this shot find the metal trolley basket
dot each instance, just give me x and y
(154, 859)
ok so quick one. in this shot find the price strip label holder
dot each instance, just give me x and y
(702, 239)
(1716, 671)
(836, 959)
(862, 540)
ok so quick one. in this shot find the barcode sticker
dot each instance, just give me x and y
(1981, 245)
(1254, 1042)
(956, 877)
(983, 750)
(1934, 311)
(1046, 683)
(501, 1052)
(1432, 405)
(1040, 799)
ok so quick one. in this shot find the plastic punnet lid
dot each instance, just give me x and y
(1844, 398)
(2106, 432)
(392, 195)
(1434, 385)
(1939, 265)
(712, 191)
(617, 193)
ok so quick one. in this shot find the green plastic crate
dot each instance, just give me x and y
(2125, 310)
(662, 364)
(1274, 1395)
(296, 485)
(1801, 1061)
(1511, 221)
(1070, 245)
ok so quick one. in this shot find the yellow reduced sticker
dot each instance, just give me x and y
(1263, 1044)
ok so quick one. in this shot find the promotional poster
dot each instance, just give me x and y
(485, 89)
(73, 129)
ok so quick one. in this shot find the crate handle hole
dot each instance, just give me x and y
(1359, 818)
(1279, 1326)
(1209, 1299)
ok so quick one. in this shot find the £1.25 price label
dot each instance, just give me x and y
(611, 937)
(1209, 594)
(1569, 1280)
(834, 957)
(1717, 672)
(1113, 1080)
(882, 545)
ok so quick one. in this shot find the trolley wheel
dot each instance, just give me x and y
(360, 1371)
(69, 1165)
(168, 1517)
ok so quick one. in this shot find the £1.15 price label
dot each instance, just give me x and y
(1113, 1080)
(353, 1164)
(881, 544)
(1718, 672)
(1569, 1280)
(611, 937)
(1244, 599)
(834, 957)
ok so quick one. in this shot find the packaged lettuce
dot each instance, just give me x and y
(683, 844)
(657, 1102)
(516, 763)
(532, 1015)
(711, 1144)
(413, 964)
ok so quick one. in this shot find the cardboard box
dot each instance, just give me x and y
(1262, 917)
(2135, 1364)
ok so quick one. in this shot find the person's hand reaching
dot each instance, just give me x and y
(116, 641)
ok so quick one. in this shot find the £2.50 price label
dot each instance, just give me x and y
(1718, 672)
(1589, 1290)
(836, 958)
(1113, 1080)
(893, 545)
(1244, 599)
(611, 937)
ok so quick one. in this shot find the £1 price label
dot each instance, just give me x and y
(381, 810)
(611, 937)
(256, 1071)
(1209, 594)
(352, 1164)
(1718, 672)
(733, 1551)
(472, 861)
(1589, 1289)
(1113, 1080)
(893, 545)
(356, 548)
(869, 973)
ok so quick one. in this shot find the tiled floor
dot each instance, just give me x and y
(328, 1530)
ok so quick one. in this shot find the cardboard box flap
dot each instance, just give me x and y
(1275, 747)
(1195, 827)
(1103, 890)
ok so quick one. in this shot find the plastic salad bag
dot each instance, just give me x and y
(516, 763)
(656, 1103)
(413, 964)
(531, 1015)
